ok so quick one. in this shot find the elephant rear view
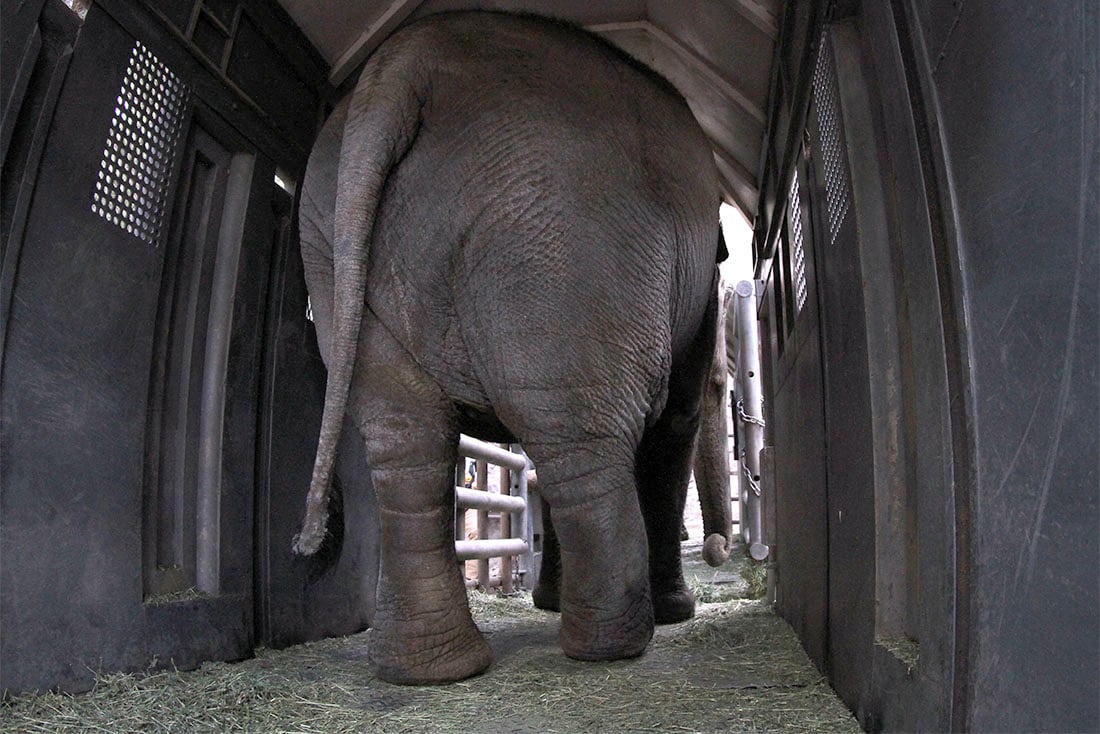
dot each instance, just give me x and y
(509, 229)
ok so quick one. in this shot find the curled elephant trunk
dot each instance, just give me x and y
(716, 549)
(711, 462)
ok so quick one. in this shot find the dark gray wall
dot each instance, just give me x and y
(1016, 85)
(126, 357)
(957, 366)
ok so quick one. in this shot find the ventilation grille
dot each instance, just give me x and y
(832, 150)
(798, 254)
(137, 160)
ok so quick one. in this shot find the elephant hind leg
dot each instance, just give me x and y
(662, 469)
(423, 632)
(606, 612)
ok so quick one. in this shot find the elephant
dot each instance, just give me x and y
(509, 229)
(710, 465)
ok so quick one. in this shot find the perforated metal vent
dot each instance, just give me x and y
(832, 147)
(137, 159)
(798, 252)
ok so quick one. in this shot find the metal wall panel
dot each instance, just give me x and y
(972, 142)
(138, 302)
(796, 410)
(845, 363)
(1017, 92)
(74, 390)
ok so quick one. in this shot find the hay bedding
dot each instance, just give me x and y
(735, 668)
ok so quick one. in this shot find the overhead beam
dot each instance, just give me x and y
(694, 61)
(744, 175)
(757, 14)
(735, 188)
(731, 196)
(392, 16)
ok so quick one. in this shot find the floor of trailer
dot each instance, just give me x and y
(735, 667)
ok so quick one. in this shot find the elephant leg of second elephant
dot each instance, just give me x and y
(663, 469)
(664, 464)
(547, 594)
(423, 632)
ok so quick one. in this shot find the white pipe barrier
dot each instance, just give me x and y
(475, 449)
(515, 503)
(473, 499)
(468, 550)
(750, 415)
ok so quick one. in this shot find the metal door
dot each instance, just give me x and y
(129, 371)
(795, 414)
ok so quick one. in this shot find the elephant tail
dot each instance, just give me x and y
(382, 122)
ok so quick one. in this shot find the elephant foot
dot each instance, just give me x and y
(624, 635)
(547, 597)
(606, 613)
(675, 605)
(428, 659)
(423, 633)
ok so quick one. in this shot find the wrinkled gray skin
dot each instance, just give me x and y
(710, 464)
(711, 461)
(509, 230)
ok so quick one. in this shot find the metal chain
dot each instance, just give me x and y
(753, 484)
(758, 421)
(745, 417)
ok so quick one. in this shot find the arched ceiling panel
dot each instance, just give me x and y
(718, 53)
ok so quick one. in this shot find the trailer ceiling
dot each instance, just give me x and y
(718, 53)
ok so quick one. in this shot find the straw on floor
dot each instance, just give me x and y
(736, 667)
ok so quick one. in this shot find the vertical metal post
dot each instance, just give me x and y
(750, 412)
(505, 532)
(527, 530)
(460, 512)
(482, 484)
